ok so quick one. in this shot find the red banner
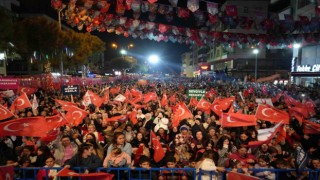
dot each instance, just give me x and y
(8, 83)
(6, 172)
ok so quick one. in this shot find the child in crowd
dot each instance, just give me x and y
(170, 174)
(263, 163)
(237, 166)
(144, 162)
(117, 158)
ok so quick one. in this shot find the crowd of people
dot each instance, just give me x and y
(197, 142)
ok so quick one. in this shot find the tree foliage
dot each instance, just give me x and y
(122, 63)
(42, 35)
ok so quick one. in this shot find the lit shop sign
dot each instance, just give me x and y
(307, 68)
(204, 67)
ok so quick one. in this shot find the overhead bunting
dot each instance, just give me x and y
(93, 15)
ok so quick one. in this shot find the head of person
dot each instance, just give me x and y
(85, 150)
(91, 128)
(144, 162)
(192, 162)
(244, 136)
(208, 154)
(116, 151)
(118, 138)
(263, 160)
(235, 164)
(315, 163)
(171, 162)
(139, 136)
(242, 151)
(50, 161)
(184, 129)
(199, 135)
(91, 137)
(65, 140)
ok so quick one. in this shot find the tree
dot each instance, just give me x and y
(41, 35)
(123, 63)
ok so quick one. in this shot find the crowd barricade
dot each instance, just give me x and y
(141, 173)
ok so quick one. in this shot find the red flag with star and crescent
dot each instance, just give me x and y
(5, 113)
(106, 97)
(216, 108)
(203, 104)
(20, 103)
(181, 112)
(164, 100)
(115, 90)
(55, 121)
(311, 127)
(65, 103)
(27, 90)
(133, 117)
(31, 126)
(158, 150)
(150, 96)
(193, 102)
(224, 103)
(272, 114)
(75, 115)
(94, 98)
(237, 120)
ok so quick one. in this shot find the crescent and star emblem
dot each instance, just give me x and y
(264, 112)
(21, 102)
(22, 90)
(76, 112)
(229, 119)
(215, 108)
(3, 111)
(181, 110)
(7, 127)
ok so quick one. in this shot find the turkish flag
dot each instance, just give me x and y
(300, 110)
(239, 176)
(135, 92)
(211, 93)
(150, 96)
(50, 136)
(20, 103)
(277, 97)
(31, 126)
(6, 172)
(65, 172)
(224, 103)
(5, 113)
(173, 99)
(269, 113)
(133, 117)
(182, 112)
(265, 135)
(137, 106)
(94, 98)
(106, 96)
(193, 102)
(138, 154)
(26, 90)
(311, 127)
(127, 94)
(65, 103)
(158, 150)
(115, 90)
(237, 120)
(164, 100)
(203, 104)
(55, 121)
(291, 101)
(75, 115)
(216, 108)
(310, 105)
(115, 118)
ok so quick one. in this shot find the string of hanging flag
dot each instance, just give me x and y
(112, 17)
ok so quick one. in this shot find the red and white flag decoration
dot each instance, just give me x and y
(20, 103)
(203, 104)
(75, 115)
(5, 113)
(26, 90)
(164, 100)
(182, 111)
(92, 98)
(150, 96)
(311, 127)
(240, 176)
(269, 113)
(237, 120)
(106, 96)
(158, 150)
(31, 126)
(266, 135)
(193, 5)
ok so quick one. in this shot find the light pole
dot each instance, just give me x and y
(256, 52)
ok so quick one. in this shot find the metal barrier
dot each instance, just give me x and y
(152, 173)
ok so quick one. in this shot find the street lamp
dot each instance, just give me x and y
(153, 59)
(256, 52)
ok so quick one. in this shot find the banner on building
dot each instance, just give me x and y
(9, 83)
(196, 93)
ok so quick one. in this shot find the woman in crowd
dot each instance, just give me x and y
(119, 141)
(85, 159)
(97, 148)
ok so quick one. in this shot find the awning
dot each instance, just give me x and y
(306, 74)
